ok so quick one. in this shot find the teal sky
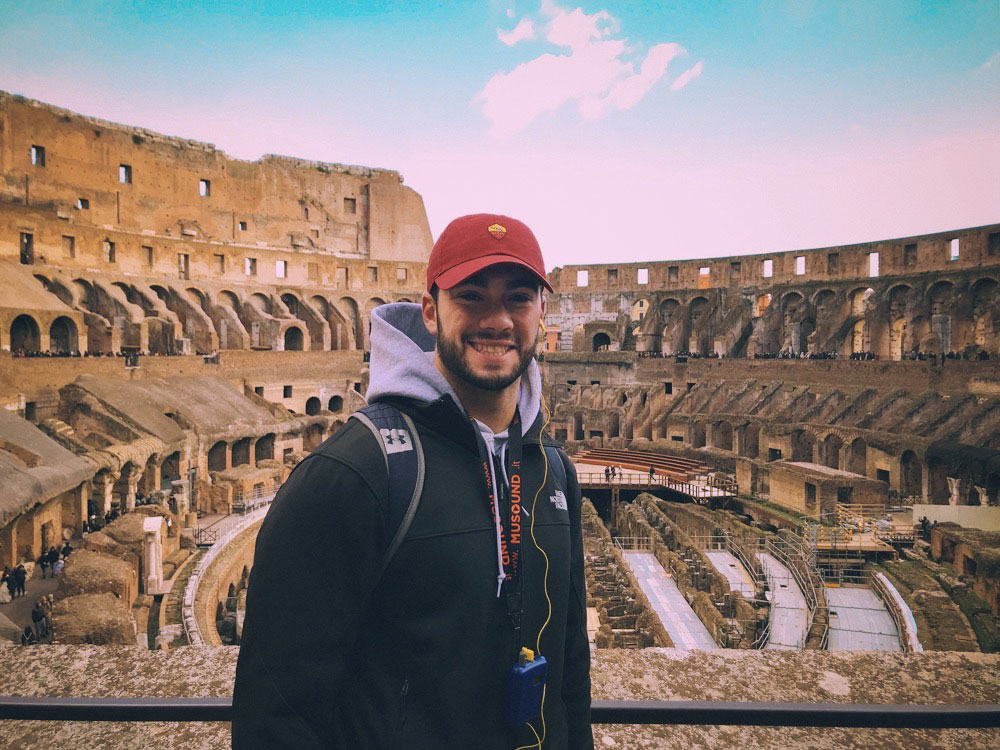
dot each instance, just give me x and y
(617, 130)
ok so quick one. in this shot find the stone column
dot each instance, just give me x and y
(133, 485)
(8, 544)
(103, 485)
(179, 490)
(152, 554)
(252, 453)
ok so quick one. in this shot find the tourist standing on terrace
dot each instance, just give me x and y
(416, 648)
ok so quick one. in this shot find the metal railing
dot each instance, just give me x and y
(714, 713)
(188, 618)
(713, 486)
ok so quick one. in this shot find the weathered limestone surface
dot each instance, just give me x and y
(653, 674)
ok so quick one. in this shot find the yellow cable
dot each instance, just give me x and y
(545, 579)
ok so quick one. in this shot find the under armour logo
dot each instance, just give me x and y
(396, 440)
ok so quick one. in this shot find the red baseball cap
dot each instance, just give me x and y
(471, 243)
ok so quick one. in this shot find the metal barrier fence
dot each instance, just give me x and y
(191, 630)
(715, 713)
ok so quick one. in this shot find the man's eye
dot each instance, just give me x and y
(469, 297)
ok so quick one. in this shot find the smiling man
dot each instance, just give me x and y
(464, 624)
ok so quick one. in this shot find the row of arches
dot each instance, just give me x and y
(894, 320)
(25, 335)
(157, 317)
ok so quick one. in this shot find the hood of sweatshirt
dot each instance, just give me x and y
(402, 364)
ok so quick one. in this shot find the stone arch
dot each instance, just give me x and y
(984, 313)
(859, 299)
(830, 450)
(313, 405)
(217, 456)
(322, 304)
(823, 297)
(750, 444)
(292, 302)
(602, 342)
(197, 296)
(993, 488)
(939, 293)
(668, 308)
(161, 292)
(241, 452)
(335, 404)
(293, 339)
(229, 299)
(802, 443)
(857, 457)
(640, 308)
(24, 335)
(697, 433)
(697, 308)
(63, 336)
(937, 481)
(261, 301)
(353, 319)
(723, 437)
(858, 336)
(263, 449)
(614, 424)
(911, 481)
(578, 433)
(370, 305)
(170, 470)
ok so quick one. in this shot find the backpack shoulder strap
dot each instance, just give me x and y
(557, 466)
(397, 436)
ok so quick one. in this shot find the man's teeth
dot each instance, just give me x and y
(486, 349)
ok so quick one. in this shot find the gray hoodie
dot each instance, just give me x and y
(402, 364)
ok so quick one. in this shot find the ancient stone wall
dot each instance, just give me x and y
(892, 299)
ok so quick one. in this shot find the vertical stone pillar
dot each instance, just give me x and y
(179, 491)
(133, 485)
(103, 485)
(152, 554)
(252, 453)
(8, 544)
(80, 497)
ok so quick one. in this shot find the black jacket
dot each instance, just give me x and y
(335, 655)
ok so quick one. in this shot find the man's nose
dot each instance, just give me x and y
(497, 318)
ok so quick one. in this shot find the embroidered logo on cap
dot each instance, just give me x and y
(497, 231)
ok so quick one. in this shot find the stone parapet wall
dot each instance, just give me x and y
(617, 674)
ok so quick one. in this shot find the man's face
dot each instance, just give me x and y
(486, 325)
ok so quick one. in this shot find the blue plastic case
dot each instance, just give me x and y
(525, 683)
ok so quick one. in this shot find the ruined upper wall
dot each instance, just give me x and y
(115, 177)
(928, 253)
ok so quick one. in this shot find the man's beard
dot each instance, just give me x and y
(452, 358)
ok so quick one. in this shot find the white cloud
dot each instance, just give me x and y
(593, 67)
(686, 77)
(993, 62)
(525, 29)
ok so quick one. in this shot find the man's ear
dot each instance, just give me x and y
(428, 310)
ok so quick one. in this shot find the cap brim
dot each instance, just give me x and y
(457, 274)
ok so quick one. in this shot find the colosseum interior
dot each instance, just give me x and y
(178, 328)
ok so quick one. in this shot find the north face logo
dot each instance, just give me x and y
(558, 500)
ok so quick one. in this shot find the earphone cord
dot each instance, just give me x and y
(545, 580)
